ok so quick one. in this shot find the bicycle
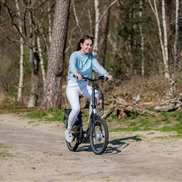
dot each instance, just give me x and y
(97, 130)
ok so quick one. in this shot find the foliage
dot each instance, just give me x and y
(9, 100)
(123, 56)
(124, 49)
(8, 73)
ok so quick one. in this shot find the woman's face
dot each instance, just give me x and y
(86, 46)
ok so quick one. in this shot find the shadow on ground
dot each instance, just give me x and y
(114, 146)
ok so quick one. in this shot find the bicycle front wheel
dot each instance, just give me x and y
(99, 136)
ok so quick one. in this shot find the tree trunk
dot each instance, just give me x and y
(96, 37)
(41, 62)
(33, 61)
(176, 38)
(165, 31)
(20, 85)
(142, 40)
(76, 19)
(52, 95)
(104, 32)
(34, 79)
(154, 9)
(49, 23)
(90, 18)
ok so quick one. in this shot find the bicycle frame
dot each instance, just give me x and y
(95, 86)
(94, 113)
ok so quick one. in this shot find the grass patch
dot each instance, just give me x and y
(37, 115)
(166, 121)
(49, 116)
(4, 146)
(52, 115)
(4, 153)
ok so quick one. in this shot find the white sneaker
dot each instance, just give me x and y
(68, 135)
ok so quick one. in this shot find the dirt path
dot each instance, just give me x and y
(42, 156)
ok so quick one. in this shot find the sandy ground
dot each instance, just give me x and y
(41, 155)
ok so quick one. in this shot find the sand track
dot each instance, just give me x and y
(41, 155)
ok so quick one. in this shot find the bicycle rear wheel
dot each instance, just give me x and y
(99, 136)
(72, 146)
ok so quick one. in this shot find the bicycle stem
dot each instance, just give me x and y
(93, 98)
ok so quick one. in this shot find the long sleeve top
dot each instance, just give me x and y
(84, 64)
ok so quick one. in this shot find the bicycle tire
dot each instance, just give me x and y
(72, 146)
(99, 136)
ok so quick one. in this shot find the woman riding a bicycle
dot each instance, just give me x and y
(81, 63)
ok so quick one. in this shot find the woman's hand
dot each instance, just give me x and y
(109, 77)
(77, 75)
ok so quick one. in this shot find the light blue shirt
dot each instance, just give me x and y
(84, 64)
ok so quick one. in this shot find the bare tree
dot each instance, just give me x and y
(20, 85)
(76, 18)
(52, 95)
(104, 24)
(142, 40)
(90, 17)
(155, 11)
(96, 36)
(165, 32)
(28, 27)
(34, 59)
(176, 38)
(49, 23)
(41, 62)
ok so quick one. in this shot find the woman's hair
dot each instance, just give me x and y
(82, 40)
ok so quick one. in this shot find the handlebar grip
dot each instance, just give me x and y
(75, 76)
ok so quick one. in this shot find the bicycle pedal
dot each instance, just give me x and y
(85, 140)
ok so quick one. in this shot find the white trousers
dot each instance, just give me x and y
(73, 90)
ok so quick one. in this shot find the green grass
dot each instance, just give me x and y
(37, 115)
(126, 129)
(177, 128)
(166, 121)
(43, 116)
(4, 146)
(4, 153)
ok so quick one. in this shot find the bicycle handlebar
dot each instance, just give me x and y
(94, 79)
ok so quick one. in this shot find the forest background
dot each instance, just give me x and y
(137, 41)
